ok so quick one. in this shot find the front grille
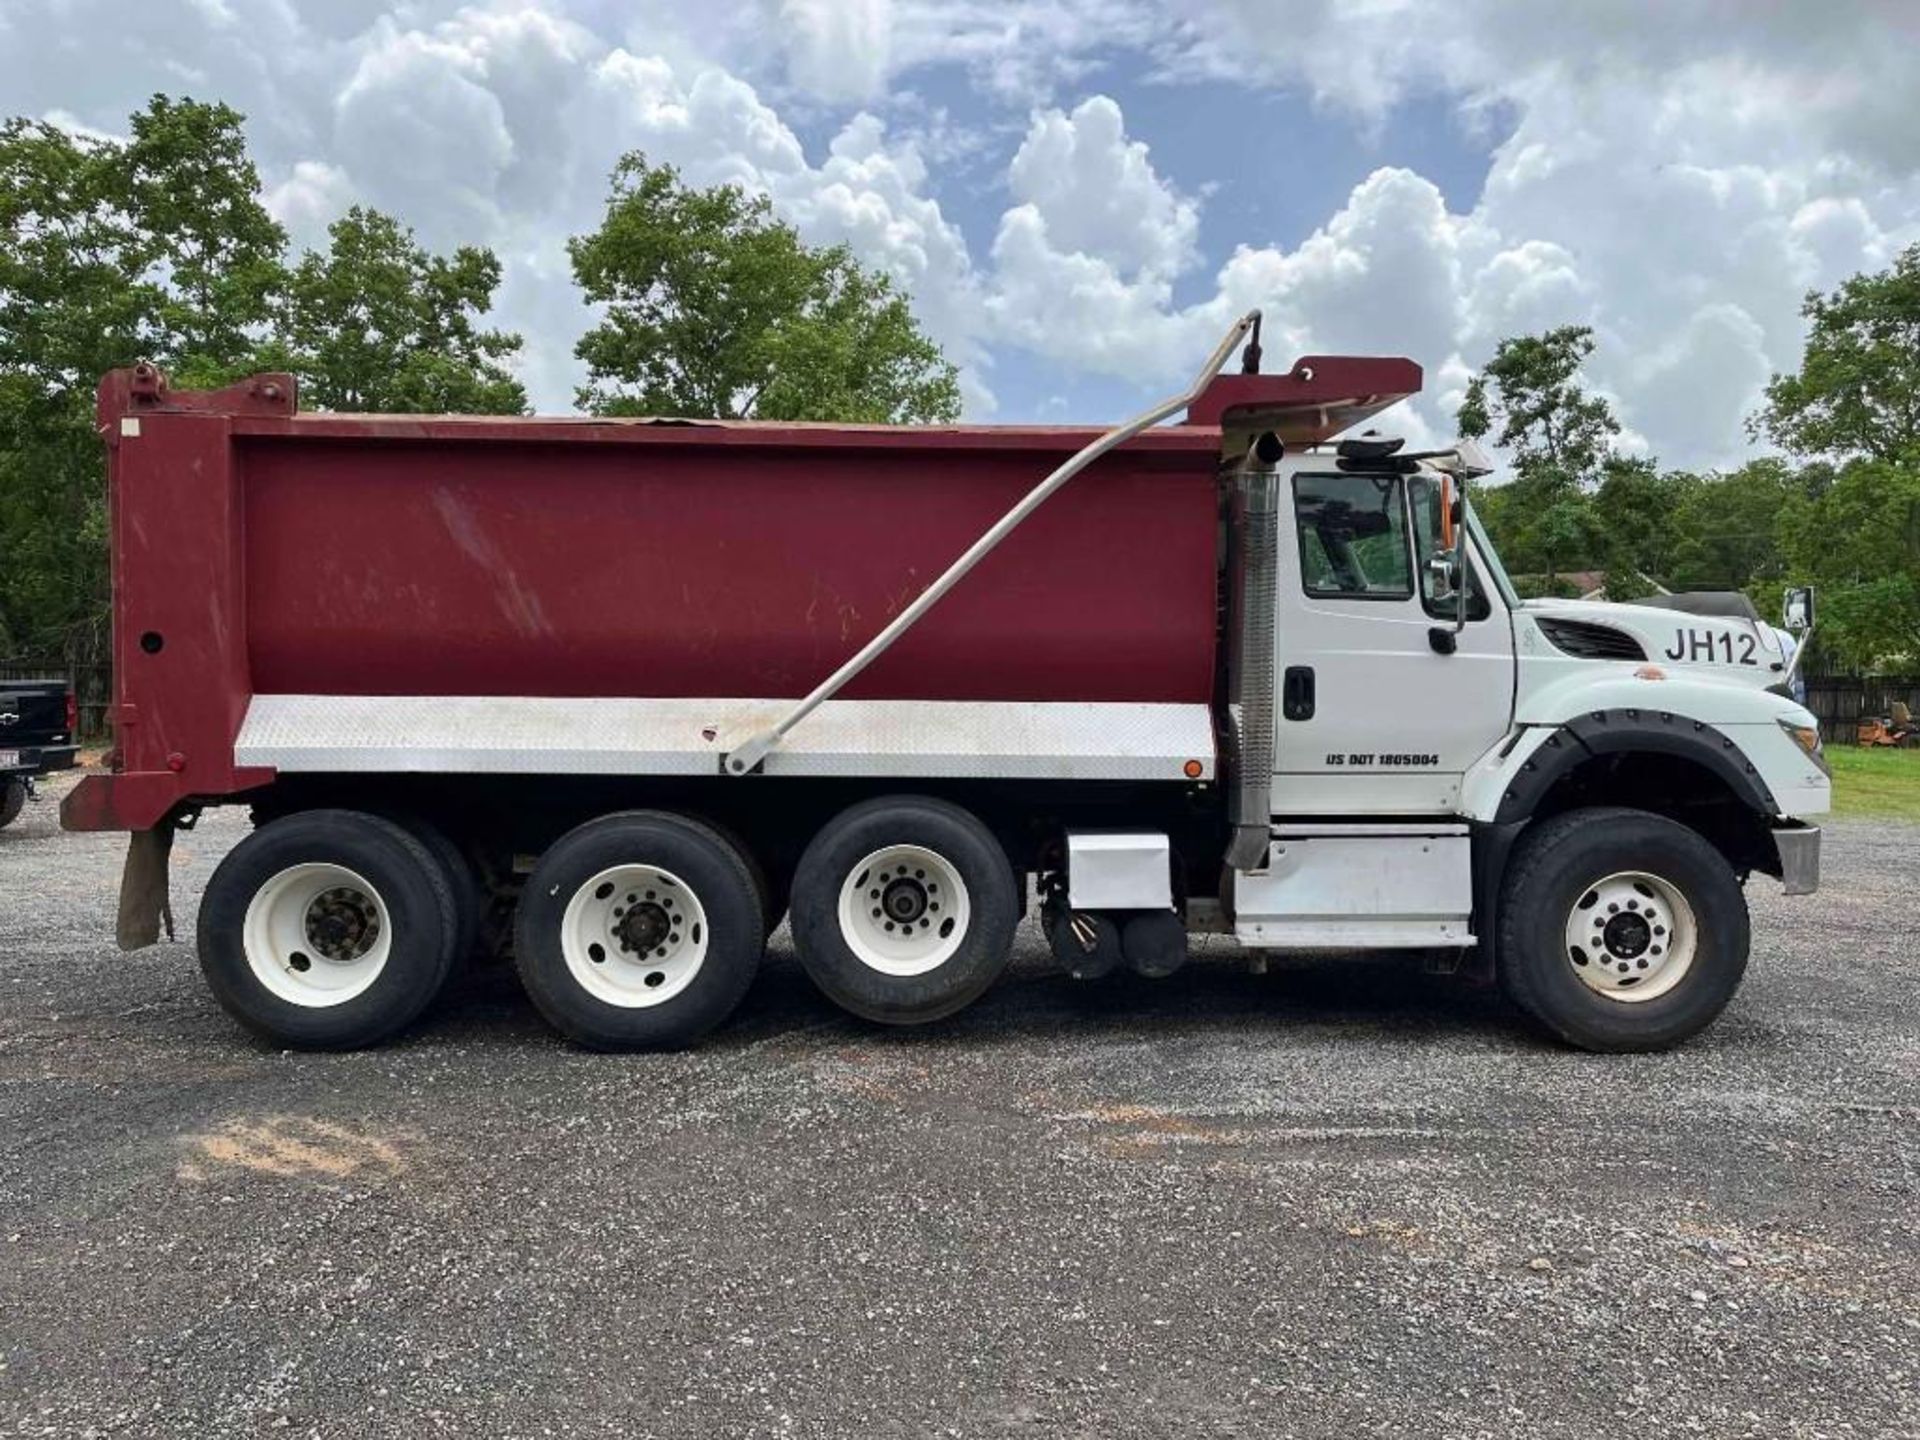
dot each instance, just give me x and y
(1590, 641)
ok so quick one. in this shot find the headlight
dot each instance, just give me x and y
(1807, 737)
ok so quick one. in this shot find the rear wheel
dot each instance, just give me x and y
(904, 910)
(772, 905)
(1621, 930)
(640, 930)
(13, 798)
(463, 880)
(329, 929)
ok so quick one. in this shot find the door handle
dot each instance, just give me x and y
(1296, 693)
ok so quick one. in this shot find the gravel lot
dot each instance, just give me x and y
(1332, 1200)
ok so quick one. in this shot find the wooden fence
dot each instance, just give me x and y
(1840, 700)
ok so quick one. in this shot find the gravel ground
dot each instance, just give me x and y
(1332, 1200)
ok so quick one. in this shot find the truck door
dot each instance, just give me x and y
(1373, 718)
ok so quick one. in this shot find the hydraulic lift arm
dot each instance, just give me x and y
(745, 757)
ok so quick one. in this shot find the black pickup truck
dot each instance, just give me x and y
(37, 721)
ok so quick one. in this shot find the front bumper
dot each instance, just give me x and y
(1799, 847)
(40, 759)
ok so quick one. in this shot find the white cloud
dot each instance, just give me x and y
(310, 199)
(867, 192)
(838, 49)
(1076, 308)
(1096, 192)
(1676, 176)
(466, 119)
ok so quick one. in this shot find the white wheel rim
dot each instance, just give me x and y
(317, 935)
(1631, 937)
(904, 910)
(634, 936)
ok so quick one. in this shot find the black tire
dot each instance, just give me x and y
(733, 934)
(13, 798)
(771, 908)
(407, 881)
(983, 946)
(1555, 866)
(463, 882)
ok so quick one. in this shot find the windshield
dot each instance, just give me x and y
(1501, 581)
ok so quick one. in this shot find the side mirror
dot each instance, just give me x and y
(1448, 567)
(1797, 613)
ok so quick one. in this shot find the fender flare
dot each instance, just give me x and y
(1625, 731)
(1585, 737)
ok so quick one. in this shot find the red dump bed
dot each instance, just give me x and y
(258, 551)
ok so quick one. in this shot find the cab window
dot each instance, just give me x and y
(1440, 593)
(1352, 533)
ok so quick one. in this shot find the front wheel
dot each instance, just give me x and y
(1621, 930)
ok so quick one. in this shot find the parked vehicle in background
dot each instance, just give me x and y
(38, 719)
(653, 684)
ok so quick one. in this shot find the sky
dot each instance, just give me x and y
(1081, 195)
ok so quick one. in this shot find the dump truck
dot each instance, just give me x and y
(615, 696)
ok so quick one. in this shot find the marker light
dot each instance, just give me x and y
(1807, 737)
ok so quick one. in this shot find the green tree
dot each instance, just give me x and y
(1724, 530)
(213, 252)
(714, 308)
(1859, 541)
(1852, 524)
(1558, 439)
(1531, 402)
(1857, 392)
(376, 323)
(1633, 516)
(110, 251)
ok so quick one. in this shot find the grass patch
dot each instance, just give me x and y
(1875, 782)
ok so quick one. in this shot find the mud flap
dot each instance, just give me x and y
(144, 903)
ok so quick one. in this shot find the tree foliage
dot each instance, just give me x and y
(378, 324)
(212, 252)
(1854, 408)
(157, 246)
(1859, 542)
(1558, 439)
(714, 308)
(110, 251)
(1840, 510)
(1857, 392)
(1530, 400)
